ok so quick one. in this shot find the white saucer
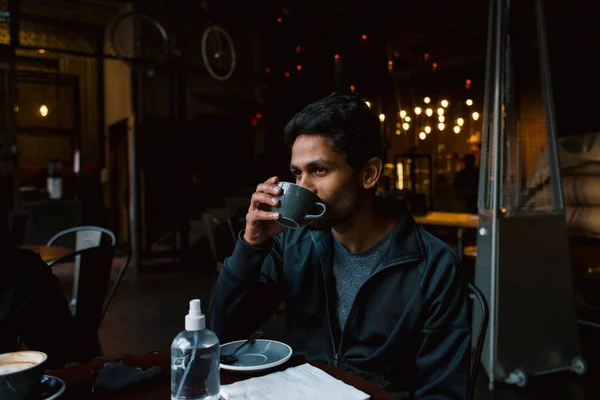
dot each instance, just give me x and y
(261, 355)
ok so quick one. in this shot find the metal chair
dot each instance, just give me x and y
(85, 237)
(477, 296)
(95, 297)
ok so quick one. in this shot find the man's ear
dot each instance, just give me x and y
(371, 172)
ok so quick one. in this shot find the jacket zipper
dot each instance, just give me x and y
(336, 355)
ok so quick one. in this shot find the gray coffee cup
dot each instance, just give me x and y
(295, 205)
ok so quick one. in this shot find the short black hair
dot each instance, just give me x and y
(352, 127)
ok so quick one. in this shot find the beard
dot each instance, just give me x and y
(340, 209)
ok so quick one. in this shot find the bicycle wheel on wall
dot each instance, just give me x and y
(218, 52)
(140, 41)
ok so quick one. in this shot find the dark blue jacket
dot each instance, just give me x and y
(407, 329)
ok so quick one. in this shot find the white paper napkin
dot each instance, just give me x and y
(296, 383)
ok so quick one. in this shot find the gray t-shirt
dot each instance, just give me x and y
(351, 270)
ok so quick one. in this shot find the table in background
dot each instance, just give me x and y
(80, 379)
(461, 221)
(48, 253)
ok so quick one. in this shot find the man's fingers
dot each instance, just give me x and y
(259, 215)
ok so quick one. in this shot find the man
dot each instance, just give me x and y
(466, 183)
(365, 288)
(32, 306)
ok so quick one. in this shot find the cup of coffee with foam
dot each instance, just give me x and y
(20, 373)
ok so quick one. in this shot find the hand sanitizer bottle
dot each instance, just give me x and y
(195, 360)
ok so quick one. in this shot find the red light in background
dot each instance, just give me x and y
(299, 67)
(352, 88)
(468, 81)
(279, 19)
(253, 121)
(337, 56)
(260, 100)
(259, 115)
(298, 49)
(396, 54)
(267, 70)
(364, 37)
(287, 74)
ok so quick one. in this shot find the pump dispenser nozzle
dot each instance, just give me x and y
(195, 320)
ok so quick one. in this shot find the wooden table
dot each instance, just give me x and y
(461, 221)
(48, 253)
(80, 379)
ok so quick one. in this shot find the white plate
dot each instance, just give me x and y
(261, 355)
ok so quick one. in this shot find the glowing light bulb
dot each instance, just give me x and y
(43, 110)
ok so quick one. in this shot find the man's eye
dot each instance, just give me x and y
(320, 170)
(296, 172)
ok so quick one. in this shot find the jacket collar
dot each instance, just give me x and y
(407, 241)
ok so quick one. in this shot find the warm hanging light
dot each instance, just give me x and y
(475, 116)
(428, 129)
(441, 118)
(469, 102)
(440, 111)
(407, 119)
(441, 126)
(422, 135)
(457, 129)
(382, 117)
(429, 112)
(402, 114)
(368, 104)
(444, 103)
(426, 100)
(418, 110)
(43, 110)
(405, 126)
(398, 131)
(460, 122)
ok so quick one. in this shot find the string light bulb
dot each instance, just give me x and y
(428, 129)
(469, 102)
(405, 126)
(382, 117)
(422, 135)
(402, 114)
(429, 112)
(445, 103)
(440, 111)
(43, 110)
(441, 126)
(426, 100)
(457, 129)
(460, 122)
(368, 104)
(475, 116)
(418, 110)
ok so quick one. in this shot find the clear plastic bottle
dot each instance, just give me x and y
(195, 360)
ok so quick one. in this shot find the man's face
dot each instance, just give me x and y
(326, 173)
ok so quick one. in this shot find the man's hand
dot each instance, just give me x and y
(261, 224)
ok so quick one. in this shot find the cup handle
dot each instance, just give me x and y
(317, 216)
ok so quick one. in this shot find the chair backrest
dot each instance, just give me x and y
(94, 296)
(221, 239)
(86, 236)
(478, 300)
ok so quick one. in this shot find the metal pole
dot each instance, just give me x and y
(557, 193)
(134, 173)
(497, 176)
(12, 163)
